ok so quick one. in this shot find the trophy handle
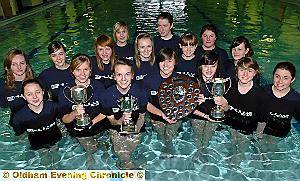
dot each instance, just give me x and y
(208, 88)
(64, 89)
(92, 93)
(225, 80)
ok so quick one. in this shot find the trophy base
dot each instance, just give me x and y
(217, 119)
(217, 115)
(128, 129)
(83, 122)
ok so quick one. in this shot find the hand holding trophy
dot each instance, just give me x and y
(127, 104)
(79, 95)
(218, 89)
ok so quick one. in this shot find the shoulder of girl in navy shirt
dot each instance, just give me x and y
(105, 76)
(93, 107)
(41, 127)
(11, 98)
(187, 67)
(280, 111)
(53, 79)
(126, 51)
(245, 110)
(112, 100)
(160, 43)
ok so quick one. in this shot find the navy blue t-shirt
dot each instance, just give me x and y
(145, 69)
(152, 83)
(41, 127)
(160, 43)
(92, 107)
(205, 89)
(280, 111)
(229, 69)
(11, 98)
(112, 98)
(126, 51)
(105, 76)
(53, 79)
(245, 110)
(187, 67)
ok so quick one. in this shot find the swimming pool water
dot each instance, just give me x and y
(273, 28)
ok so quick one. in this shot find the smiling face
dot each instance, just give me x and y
(59, 58)
(245, 75)
(122, 35)
(33, 94)
(188, 50)
(166, 67)
(145, 48)
(208, 71)
(123, 75)
(239, 51)
(282, 79)
(104, 53)
(208, 40)
(164, 28)
(18, 66)
(82, 72)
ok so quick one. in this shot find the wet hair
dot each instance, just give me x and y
(54, 46)
(166, 54)
(120, 25)
(239, 40)
(9, 78)
(209, 57)
(123, 61)
(286, 66)
(248, 62)
(165, 15)
(103, 41)
(210, 27)
(188, 38)
(31, 81)
(78, 60)
(137, 52)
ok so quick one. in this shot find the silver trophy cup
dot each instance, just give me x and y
(218, 89)
(79, 96)
(127, 104)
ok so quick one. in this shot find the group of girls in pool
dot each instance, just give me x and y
(121, 69)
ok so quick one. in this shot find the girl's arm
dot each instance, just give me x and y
(98, 118)
(154, 110)
(140, 122)
(67, 118)
(260, 129)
